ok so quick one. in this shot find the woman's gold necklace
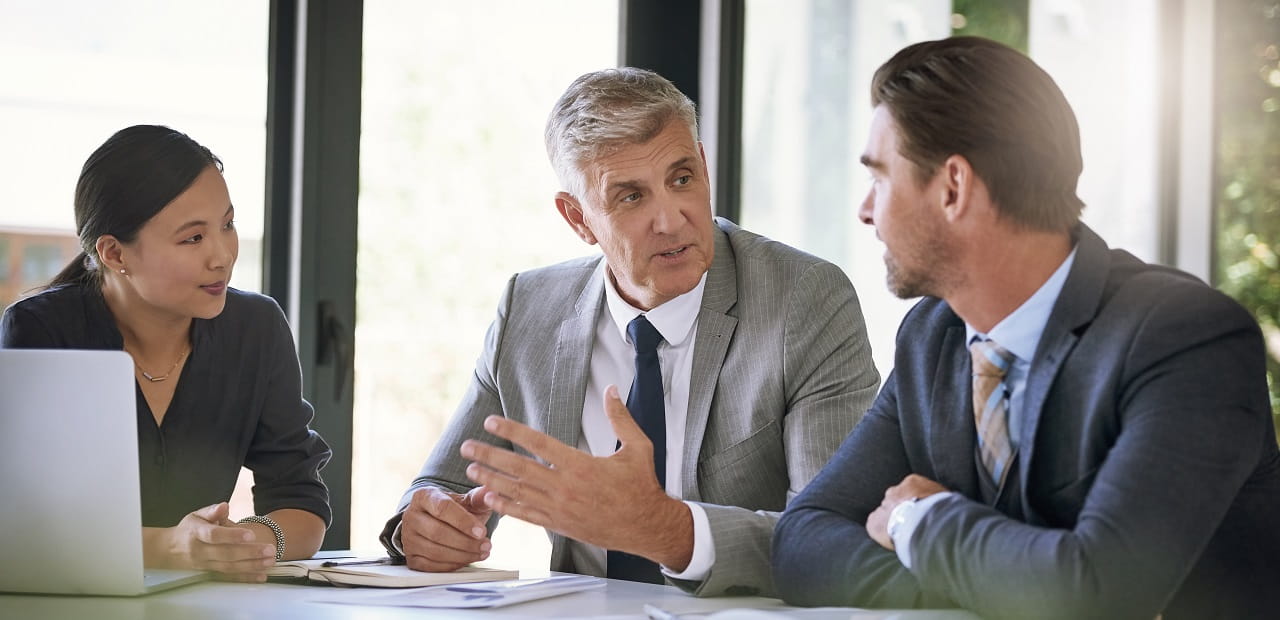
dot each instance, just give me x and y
(156, 379)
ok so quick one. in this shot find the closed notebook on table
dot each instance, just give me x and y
(384, 575)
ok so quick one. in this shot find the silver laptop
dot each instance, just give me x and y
(70, 505)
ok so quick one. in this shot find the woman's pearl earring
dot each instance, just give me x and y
(121, 271)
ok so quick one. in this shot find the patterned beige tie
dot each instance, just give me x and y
(991, 407)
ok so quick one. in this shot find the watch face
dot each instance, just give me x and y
(898, 516)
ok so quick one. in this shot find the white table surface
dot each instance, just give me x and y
(229, 601)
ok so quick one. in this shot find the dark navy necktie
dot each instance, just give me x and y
(645, 402)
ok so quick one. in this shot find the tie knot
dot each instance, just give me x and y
(644, 336)
(989, 358)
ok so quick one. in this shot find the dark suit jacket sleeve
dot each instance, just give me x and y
(1183, 399)
(822, 554)
(445, 468)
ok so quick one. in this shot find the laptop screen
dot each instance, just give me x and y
(69, 470)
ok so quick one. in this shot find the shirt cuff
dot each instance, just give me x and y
(704, 548)
(395, 539)
(912, 518)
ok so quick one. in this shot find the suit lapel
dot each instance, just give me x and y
(1076, 306)
(571, 358)
(951, 408)
(715, 330)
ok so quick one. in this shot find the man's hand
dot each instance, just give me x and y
(913, 486)
(612, 502)
(206, 540)
(442, 531)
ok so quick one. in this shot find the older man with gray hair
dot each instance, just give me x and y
(743, 363)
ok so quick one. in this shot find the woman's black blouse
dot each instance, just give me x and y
(238, 402)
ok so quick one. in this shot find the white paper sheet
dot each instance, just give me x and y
(472, 595)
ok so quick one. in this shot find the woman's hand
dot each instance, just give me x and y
(206, 540)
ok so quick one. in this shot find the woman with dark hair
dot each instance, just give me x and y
(218, 379)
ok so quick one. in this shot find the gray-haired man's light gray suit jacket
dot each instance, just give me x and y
(782, 371)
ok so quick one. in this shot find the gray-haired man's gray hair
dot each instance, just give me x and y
(603, 111)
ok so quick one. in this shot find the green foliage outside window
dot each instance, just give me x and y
(1247, 192)
(999, 20)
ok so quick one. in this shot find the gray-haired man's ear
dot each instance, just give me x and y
(571, 210)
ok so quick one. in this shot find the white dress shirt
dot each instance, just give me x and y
(613, 363)
(1019, 333)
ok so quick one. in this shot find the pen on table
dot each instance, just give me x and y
(658, 613)
(387, 561)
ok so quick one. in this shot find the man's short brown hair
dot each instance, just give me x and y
(994, 106)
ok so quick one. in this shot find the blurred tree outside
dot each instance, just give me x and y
(1247, 188)
(999, 20)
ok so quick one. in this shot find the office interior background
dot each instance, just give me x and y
(385, 159)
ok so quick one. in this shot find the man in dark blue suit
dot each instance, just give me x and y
(1068, 432)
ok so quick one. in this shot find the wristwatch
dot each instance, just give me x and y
(898, 515)
(275, 529)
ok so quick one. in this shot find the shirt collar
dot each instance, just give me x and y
(673, 319)
(1019, 333)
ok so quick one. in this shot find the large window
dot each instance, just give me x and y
(455, 196)
(806, 110)
(1104, 55)
(805, 116)
(76, 72)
